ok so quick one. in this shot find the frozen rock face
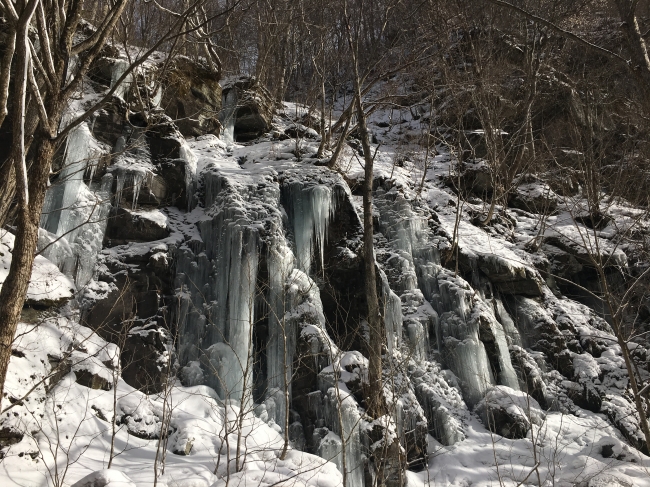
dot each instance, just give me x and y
(218, 285)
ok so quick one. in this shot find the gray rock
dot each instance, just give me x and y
(534, 197)
(128, 226)
(192, 97)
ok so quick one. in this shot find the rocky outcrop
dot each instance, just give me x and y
(129, 310)
(534, 196)
(192, 97)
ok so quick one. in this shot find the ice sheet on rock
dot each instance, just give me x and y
(392, 317)
(282, 332)
(342, 416)
(190, 161)
(132, 170)
(118, 69)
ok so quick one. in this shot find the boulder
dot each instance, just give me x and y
(126, 226)
(105, 478)
(510, 277)
(192, 97)
(48, 286)
(509, 413)
(92, 379)
(474, 178)
(606, 480)
(534, 197)
(583, 395)
(143, 359)
(10, 436)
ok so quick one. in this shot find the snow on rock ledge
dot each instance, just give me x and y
(48, 286)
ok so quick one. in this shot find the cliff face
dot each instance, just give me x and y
(219, 294)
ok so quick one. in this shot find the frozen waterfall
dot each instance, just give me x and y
(76, 212)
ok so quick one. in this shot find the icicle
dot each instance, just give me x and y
(74, 210)
(119, 188)
(138, 178)
(219, 288)
(282, 332)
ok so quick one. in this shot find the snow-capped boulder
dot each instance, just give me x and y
(105, 478)
(534, 196)
(509, 413)
(136, 226)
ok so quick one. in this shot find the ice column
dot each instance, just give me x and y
(282, 332)
(392, 317)
(119, 68)
(342, 415)
(217, 287)
(228, 114)
(311, 209)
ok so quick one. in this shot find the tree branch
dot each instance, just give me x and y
(561, 31)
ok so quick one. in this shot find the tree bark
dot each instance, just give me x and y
(14, 289)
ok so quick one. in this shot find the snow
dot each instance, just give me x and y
(72, 424)
(47, 284)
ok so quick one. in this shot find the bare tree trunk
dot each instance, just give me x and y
(14, 289)
(375, 397)
(376, 403)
